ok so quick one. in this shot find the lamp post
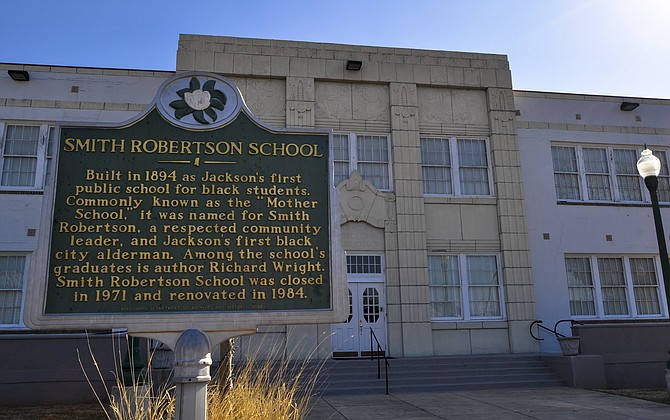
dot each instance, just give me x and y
(649, 166)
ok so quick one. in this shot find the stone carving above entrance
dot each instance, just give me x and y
(360, 201)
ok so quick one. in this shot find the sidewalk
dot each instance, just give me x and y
(535, 403)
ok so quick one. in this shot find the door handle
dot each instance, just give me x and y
(360, 326)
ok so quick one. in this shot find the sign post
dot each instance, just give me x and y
(190, 224)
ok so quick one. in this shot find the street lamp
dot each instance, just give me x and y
(649, 166)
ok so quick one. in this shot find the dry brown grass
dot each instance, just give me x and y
(264, 391)
(268, 389)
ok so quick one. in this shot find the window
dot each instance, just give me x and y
(453, 166)
(364, 264)
(23, 147)
(367, 154)
(663, 177)
(464, 287)
(613, 286)
(606, 174)
(12, 268)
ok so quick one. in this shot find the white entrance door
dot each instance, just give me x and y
(367, 312)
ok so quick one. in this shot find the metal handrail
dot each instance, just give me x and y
(386, 362)
(556, 333)
(572, 323)
(538, 322)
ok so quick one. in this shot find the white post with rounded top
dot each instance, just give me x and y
(191, 374)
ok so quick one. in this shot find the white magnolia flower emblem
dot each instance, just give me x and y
(197, 99)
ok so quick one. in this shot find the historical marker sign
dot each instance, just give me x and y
(194, 207)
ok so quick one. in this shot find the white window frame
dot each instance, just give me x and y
(597, 287)
(465, 288)
(46, 135)
(455, 166)
(26, 265)
(613, 176)
(353, 162)
(371, 276)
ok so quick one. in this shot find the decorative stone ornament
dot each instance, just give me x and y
(199, 102)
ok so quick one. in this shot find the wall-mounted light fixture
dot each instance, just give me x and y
(19, 75)
(354, 65)
(629, 106)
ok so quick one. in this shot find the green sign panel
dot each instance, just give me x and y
(195, 207)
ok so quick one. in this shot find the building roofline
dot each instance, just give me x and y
(588, 97)
(112, 71)
(372, 49)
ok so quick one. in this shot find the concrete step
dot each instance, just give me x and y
(359, 376)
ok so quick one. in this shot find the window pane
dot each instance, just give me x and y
(598, 187)
(613, 286)
(484, 301)
(595, 160)
(483, 291)
(579, 272)
(472, 152)
(567, 186)
(10, 307)
(564, 159)
(663, 178)
(611, 272)
(566, 176)
(629, 187)
(482, 270)
(473, 168)
(19, 171)
(340, 158)
(643, 271)
(445, 286)
(376, 173)
(645, 286)
(341, 172)
(597, 174)
(582, 302)
(21, 140)
(372, 148)
(474, 181)
(435, 152)
(364, 264)
(436, 180)
(443, 270)
(11, 288)
(341, 147)
(436, 166)
(664, 189)
(20, 156)
(446, 302)
(373, 160)
(628, 179)
(580, 286)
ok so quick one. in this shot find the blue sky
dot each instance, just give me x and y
(608, 47)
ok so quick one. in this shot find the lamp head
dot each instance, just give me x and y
(648, 164)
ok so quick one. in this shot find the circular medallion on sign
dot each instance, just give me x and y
(199, 101)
